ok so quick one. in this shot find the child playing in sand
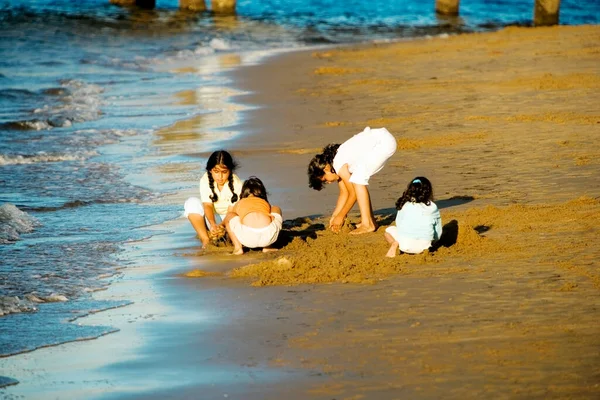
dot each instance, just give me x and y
(219, 189)
(351, 164)
(253, 222)
(418, 222)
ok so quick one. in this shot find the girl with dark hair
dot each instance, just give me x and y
(219, 189)
(253, 222)
(418, 222)
(351, 164)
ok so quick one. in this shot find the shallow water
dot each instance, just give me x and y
(87, 91)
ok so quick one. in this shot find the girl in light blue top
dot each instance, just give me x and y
(418, 222)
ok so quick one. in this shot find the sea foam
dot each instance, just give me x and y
(14, 222)
(42, 157)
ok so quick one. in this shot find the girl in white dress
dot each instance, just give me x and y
(220, 188)
(418, 222)
(351, 164)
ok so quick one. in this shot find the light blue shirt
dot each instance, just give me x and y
(419, 221)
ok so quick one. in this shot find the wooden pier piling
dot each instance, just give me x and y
(447, 7)
(192, 5)
(218, 6)
(149, 4)
(223, 6)
(546, 12)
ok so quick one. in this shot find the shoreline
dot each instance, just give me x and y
(345, 340)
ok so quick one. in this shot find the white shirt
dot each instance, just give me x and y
(365, 153)
(224, 201)
(419, 221)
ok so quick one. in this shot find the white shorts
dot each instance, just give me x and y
(193, 205)
(256, 237)
(384, 146)
(408, 245)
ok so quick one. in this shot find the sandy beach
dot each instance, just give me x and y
(504, 124)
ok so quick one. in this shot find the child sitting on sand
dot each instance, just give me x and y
(351, 164)
(219, 189)
(418, 222)
(253, 222)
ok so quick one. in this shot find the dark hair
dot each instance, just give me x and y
(419, 190)
(221, 157)
(254, 186)
(316, 167)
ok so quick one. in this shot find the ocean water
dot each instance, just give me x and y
(86, 88)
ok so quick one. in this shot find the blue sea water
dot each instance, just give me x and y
(86, 87)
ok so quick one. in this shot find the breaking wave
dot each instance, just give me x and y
(74, 102)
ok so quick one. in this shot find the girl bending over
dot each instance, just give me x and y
(418, 222)
(253, 222)
(351, 164)
(219, 189)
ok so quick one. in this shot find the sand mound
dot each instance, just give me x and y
(509, 233)
(349, 259)
(198, 273)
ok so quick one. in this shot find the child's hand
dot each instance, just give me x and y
(336, 222)
(216, 229)
(217, 232)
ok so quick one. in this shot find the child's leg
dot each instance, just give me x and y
(199, 225)
(393, 250)
(393, 245)
(367, 222)
(237, 245)
(194, 212)
(274, 210)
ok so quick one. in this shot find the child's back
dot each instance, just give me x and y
(419, 221)
(254, 212)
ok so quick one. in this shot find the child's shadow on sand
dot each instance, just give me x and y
(449, 236)
(288, 233)
(387, 216)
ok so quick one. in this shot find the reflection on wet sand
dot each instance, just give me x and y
(200, 133)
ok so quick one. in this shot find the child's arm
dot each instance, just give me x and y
(348, 200)
(209, 214)
(276, 210)
(342, 197)
(231, 213)
(437, 227)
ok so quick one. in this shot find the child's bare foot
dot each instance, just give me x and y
(204, 239)
(237, 252)
(363, 229)
(392, 250)
(268, 249)
(360, 224)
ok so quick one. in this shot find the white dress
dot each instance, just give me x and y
(365, 153)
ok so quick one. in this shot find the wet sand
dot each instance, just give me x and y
(505, 125)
